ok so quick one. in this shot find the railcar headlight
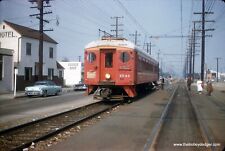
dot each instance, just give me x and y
(107, 76)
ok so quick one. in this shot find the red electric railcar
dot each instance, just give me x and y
(116, 68)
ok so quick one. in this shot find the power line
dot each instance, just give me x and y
(131, 16)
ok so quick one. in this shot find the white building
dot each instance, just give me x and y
(24, 42)
(72, 72)
(6, 70)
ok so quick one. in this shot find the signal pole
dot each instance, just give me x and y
(40, 6)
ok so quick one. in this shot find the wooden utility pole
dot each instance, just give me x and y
(190, 55)
(40, 6)
(193, 65)
(217, 68)
(203, 30)
(203, 41)
(135, 37)
(158, 63)
(116, 30)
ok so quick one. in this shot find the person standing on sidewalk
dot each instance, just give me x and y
(199, 86)
(209, 87)
(189, 81)
(162, 83)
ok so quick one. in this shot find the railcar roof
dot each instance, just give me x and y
(118, 43)
(111, 42)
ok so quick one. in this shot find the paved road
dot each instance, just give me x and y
(20, 110)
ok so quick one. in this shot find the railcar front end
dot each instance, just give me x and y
(112, 70)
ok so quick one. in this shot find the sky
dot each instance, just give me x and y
(77, 22)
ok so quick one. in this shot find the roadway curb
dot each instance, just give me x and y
(23, 95)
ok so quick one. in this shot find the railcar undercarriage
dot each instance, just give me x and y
(122, 93)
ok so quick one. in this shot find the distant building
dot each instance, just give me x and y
(211, 74)
(24, 42)
(72, 72)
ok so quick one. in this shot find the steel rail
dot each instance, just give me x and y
(156, 129)
(207, 136)
(50, 132)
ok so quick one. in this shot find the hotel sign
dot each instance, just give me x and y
(7, 34)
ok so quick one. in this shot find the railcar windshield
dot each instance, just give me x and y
(91, 57)
(109, 60)
(124, 57)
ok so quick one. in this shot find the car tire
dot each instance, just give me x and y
(44, 93)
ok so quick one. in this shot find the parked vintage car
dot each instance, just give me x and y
(79, 86)
(43, 88)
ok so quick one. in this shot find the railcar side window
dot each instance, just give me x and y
(124, 57)
(109, 60)
(91, 57)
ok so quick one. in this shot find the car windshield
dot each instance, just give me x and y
(40, 83)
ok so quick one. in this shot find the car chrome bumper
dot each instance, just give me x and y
(32, 93)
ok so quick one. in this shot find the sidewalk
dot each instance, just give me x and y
(20, 94)
(211, 113)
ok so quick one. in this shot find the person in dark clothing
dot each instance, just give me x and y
(162, 83)
(189, 81)
(209, 88)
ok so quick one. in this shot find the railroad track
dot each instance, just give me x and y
(22, 136)
(181, 123)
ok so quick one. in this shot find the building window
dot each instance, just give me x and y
(50, 73)
(28, 74)
(60, 74)
(50, 52)
(1, 67)
(28, 49)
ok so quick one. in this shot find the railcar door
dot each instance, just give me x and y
(107, 65)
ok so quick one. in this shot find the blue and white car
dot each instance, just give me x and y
(43, 88)
(79, 86)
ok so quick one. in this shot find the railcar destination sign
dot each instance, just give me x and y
(7, 34)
